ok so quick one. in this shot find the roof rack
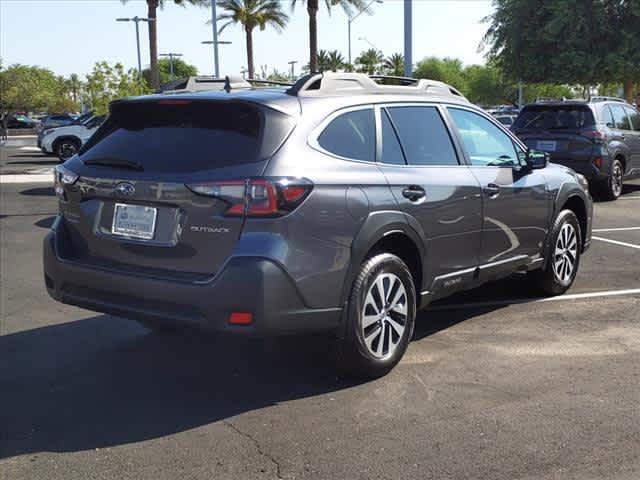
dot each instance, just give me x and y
(331, 83)
(600, 98)
(269, 82)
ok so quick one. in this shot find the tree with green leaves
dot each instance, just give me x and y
(349, 6)
(335, 61)
(369, 61)
(110, 82)
(251, 14)
(448, 70)
(564, 41)
(394, 65)
(181, 69)
(32, 89)
(152, 13)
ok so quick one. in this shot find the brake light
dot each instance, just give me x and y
(173, 102)
(257, 197)
(62, 177)
(598, 162)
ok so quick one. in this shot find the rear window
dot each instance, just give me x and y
(555, 117)
(181, 136)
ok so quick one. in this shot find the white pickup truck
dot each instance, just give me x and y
(66, 141)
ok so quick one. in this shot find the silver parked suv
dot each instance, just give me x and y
(342, 204)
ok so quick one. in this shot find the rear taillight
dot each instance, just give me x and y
(594, 135)
(598, 162)
(62, 177)
(257, 197)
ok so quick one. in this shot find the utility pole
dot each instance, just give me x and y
(408, 38)
(293, 73)
(137, 20)
(171, 56)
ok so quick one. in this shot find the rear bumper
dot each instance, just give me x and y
(587, 168)
(246, 284)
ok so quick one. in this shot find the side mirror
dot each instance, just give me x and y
(537, 160)
(610, 125)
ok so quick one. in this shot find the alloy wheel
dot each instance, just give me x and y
(384, 315)
(616, 179)
(566, 253)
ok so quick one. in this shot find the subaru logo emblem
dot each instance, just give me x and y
(125, 189)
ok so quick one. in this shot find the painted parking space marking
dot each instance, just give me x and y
(623, 229)
(27, 178)
(616, 242)
(513, 301)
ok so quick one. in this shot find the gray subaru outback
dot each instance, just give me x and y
(341, 204)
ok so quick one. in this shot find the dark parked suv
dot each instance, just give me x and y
(340, 205)
(599, 139)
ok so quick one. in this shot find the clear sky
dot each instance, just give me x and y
(68, 36)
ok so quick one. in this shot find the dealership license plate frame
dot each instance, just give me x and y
(133, 231)
(547, 145)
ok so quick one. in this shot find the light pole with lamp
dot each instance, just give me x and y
(351, 19)
(137, 20)
(171, 56)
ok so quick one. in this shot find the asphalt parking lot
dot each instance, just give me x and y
(495, 385)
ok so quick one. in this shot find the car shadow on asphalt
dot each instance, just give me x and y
(45, 222)
(39, 191)
(105, 381)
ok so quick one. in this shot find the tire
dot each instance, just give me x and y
(66, 148)
(563, 255)
(371, 351)
(612, 187)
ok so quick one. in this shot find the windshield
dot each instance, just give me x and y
(555, 117)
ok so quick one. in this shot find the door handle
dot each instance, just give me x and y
(492, 190)
(414, 193)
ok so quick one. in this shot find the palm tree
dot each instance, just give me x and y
(251, 14)
(394, 65)
(152, 10)
(312, 9)
(335, 61)
(369, 61)
(323, 61)
(74, 84)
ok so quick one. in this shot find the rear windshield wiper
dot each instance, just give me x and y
(115, 162)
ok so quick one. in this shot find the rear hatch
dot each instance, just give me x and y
(566, 131)
(134, 205)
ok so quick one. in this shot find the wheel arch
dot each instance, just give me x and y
(387, 232)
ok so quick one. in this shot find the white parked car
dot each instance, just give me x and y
(66, 141)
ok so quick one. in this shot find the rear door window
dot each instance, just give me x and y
(351, 135)
(182, 136)
(555, 117)
(391, 149)
(423, 135)
(620, 119)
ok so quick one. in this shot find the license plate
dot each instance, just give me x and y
(547, 145)
(135, 221)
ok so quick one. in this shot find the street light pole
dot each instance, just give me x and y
(137, 20)
(351, 19)
(408, 38)
(171, 56)
(214, 23)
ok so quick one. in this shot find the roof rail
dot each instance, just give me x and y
(331, 83)
(269, 82)
(601, 98)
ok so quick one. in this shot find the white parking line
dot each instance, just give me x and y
(616, 242)
(575, 296)
(27, 178)
(624, 229)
